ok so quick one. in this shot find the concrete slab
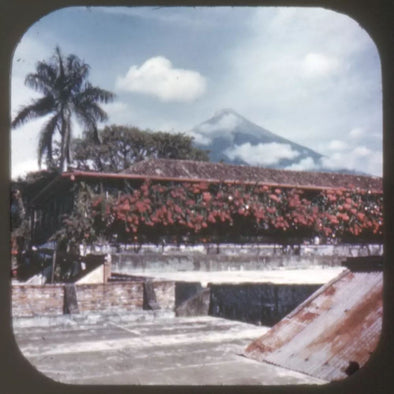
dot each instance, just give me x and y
(148, 351)
(313, 275)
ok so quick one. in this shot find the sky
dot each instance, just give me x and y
(307, 74)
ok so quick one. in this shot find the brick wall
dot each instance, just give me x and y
(127, 296)
(36, 300)
(49, 300)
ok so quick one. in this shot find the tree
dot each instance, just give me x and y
(177, 146)
(66, 93)
(122, 146)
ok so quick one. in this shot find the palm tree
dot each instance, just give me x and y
(66, 92)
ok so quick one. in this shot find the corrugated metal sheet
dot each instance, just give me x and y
(340, 323)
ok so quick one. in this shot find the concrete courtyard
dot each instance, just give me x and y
(147, 348)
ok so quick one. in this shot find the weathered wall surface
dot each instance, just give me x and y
(186, 290)
(125, 296)
(151, 258)
(165, 294)
(33, 300)
(263, 304)
(196, 305)
(49, 300)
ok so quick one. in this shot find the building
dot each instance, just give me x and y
(57, 197)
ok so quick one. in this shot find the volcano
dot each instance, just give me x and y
(231, 138)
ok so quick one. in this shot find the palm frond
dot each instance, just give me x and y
(45, 141)
(59, 62)
(95, 94)
(40, 107)
(77, 71)
(43, 79)
(90, 113)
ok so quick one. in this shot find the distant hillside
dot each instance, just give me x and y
(231, 138)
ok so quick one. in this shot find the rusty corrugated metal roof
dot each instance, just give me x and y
(340, 323)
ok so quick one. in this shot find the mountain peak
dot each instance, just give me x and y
(225, 111)
(235, 140)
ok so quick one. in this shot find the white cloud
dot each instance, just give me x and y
(262, 154)
(337, 145)
(118, 112)
(307, 164)
(200, 138)
(308, 73)
(158, 78)
(226, 122)
(357, 133)
(115, 107)
(204, 133)
(359, 158)
(319, 65)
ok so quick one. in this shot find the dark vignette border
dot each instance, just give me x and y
(16, 373)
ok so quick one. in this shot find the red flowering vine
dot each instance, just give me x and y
(202, 208)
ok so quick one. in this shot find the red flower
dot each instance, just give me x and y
(211, 218)
(206, 196)
(361, 216)
(274, 197)
(333, 220)
(345, 217)
(271, 209)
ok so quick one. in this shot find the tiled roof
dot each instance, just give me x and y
(166, 168)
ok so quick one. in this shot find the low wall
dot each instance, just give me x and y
(150, 258)
(37, 300)
(125, 296)
(263, 304)
(50, 300)
(349, 250)
(165, 294)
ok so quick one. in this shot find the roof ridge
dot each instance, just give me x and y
(252, 168)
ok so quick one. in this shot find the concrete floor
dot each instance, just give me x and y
(313, 275)
(147, 348)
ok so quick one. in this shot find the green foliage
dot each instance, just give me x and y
(122, 146)
(65, 92)
(176, 146)
(80, 227)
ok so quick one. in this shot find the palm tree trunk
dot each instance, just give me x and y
(65, 135)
